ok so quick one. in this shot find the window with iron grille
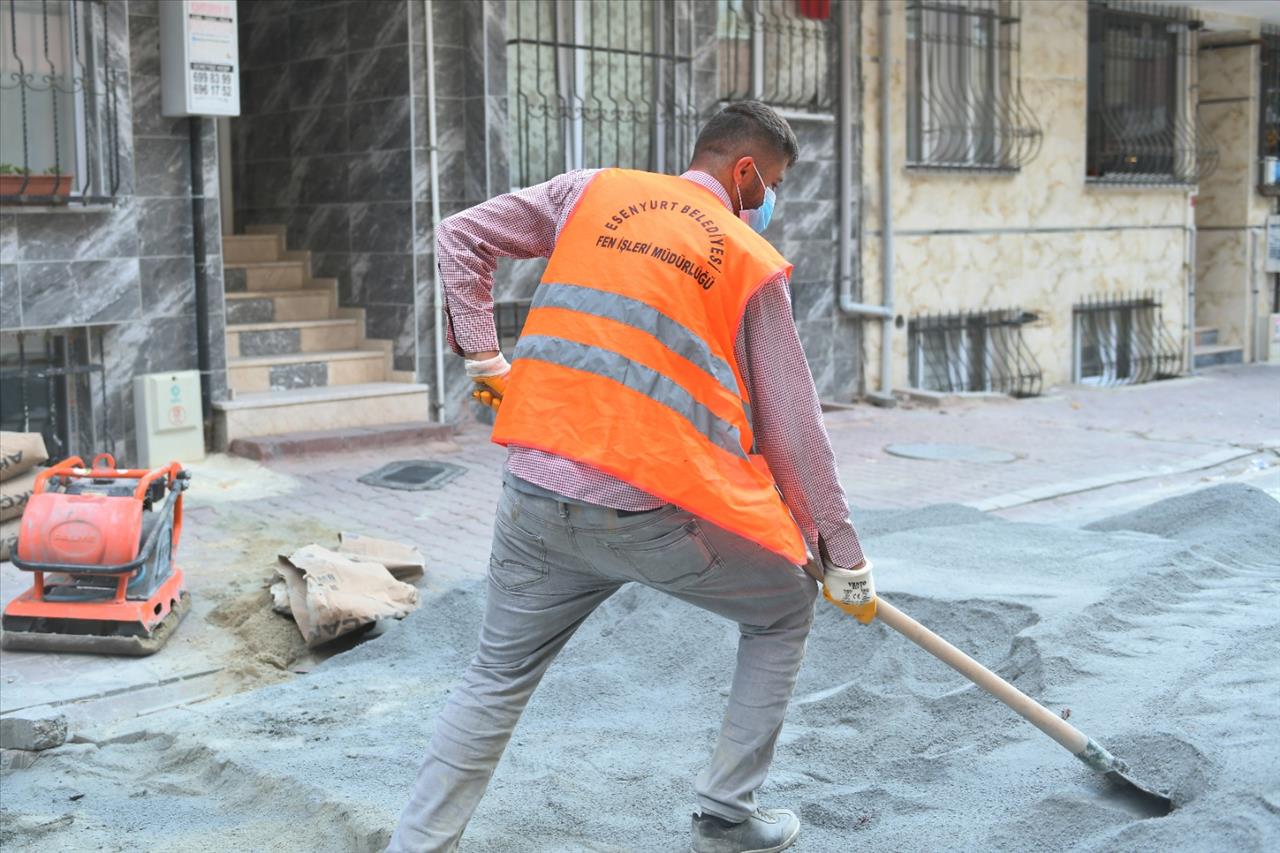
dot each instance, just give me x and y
(47, 386)
(595, 83)
(1122, 341)
(1269, 113)
(58, 103)
(964, 107)
(776, 51)
(509, 319)
(972, 351)
(1142, 125)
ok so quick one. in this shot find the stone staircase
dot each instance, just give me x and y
(297, 361)
(1208, 352)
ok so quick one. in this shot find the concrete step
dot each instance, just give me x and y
(241, 248)
(260, 339)
(257, 276)
(275, 306)
(1206, 335)
(1209, 356)
(307, 370)
(300, 443)
(337, 407)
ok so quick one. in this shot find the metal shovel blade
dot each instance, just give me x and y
(1145, 800)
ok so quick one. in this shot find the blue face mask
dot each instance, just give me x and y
(759, 217)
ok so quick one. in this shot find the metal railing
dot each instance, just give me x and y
(509, 319)
(777, 51)
(965, 108)
(973, 351)
(1143, 123)
(598, 83)
(1269, 112)
(59, 103)
(1121, 340)
(47, 386)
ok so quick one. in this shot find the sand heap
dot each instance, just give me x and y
(1158, 630)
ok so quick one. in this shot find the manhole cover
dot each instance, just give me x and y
(413, 475)
(950, 453)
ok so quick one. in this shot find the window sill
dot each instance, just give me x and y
(1131, 184)
(962, 169)
(1269, 190)
(56, 204)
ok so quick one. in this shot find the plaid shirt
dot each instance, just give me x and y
(785, 412)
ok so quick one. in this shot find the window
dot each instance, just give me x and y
(509, 320)
(972, 352)
(598, 83)
(1122, 341)
(1141, 105)
(964, 105)
(57, 102)
(1269, 113)
(776, 51)
(46, 386)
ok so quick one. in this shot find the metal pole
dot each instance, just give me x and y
(434, 160)
(886, 203)
(195, 124)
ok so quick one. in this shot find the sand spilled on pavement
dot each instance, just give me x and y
(1159, 631)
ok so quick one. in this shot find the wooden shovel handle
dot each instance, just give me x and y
(1032, 711)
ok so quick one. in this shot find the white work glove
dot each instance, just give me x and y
(852, 590)
(490, 376)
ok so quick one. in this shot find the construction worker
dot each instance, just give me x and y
(658, 412)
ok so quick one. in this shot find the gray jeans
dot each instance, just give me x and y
(553, 562)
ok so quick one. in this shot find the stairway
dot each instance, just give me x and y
(1209, 353)
(297, 361)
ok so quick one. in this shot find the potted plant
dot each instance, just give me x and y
(54, 182)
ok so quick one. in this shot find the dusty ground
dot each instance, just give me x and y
(1158, 631)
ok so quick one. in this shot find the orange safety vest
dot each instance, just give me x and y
(626, 361)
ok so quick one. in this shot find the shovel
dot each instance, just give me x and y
(1148, 800)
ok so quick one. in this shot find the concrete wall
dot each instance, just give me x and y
(1040, 239)
(323, 147)
(1232, 292)
(124, 269)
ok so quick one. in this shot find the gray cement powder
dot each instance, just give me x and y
(1159, 630)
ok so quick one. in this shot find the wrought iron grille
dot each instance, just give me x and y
(776, 51)
(1143, 126)
(1122, 341)
(47, 386)
(598, 83)
(509, 318)
(1269, 112)
(59, 103)
(973, 351)
(965, 104)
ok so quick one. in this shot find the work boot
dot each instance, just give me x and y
(766, 831)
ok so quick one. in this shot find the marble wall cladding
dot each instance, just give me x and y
(324, 146)
(125, 270)
(1042, 238)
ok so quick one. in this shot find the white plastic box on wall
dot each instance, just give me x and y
(168, 417)
(199, 58)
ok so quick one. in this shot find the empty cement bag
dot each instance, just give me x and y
(332, 594)
(14, 495)
(20, 452)
(9, 538)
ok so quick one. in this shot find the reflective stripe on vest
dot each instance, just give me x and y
(637, 377)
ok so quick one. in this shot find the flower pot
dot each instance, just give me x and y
(36, 185)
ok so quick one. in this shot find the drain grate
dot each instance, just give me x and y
(413, 475)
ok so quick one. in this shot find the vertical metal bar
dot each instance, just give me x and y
(195, 126)
(757, 51)
(579, 82)
(659, 85)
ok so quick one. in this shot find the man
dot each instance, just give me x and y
(658, 412)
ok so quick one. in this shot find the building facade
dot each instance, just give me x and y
(1074, 189)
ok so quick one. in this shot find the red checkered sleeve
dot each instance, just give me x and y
(522, 224)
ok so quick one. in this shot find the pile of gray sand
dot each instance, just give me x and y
(1157, 631)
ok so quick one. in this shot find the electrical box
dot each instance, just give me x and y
(199, 58)
(169, 419)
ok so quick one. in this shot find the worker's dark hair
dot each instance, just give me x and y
(749, 122)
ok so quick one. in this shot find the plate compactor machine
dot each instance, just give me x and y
(101, 544)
